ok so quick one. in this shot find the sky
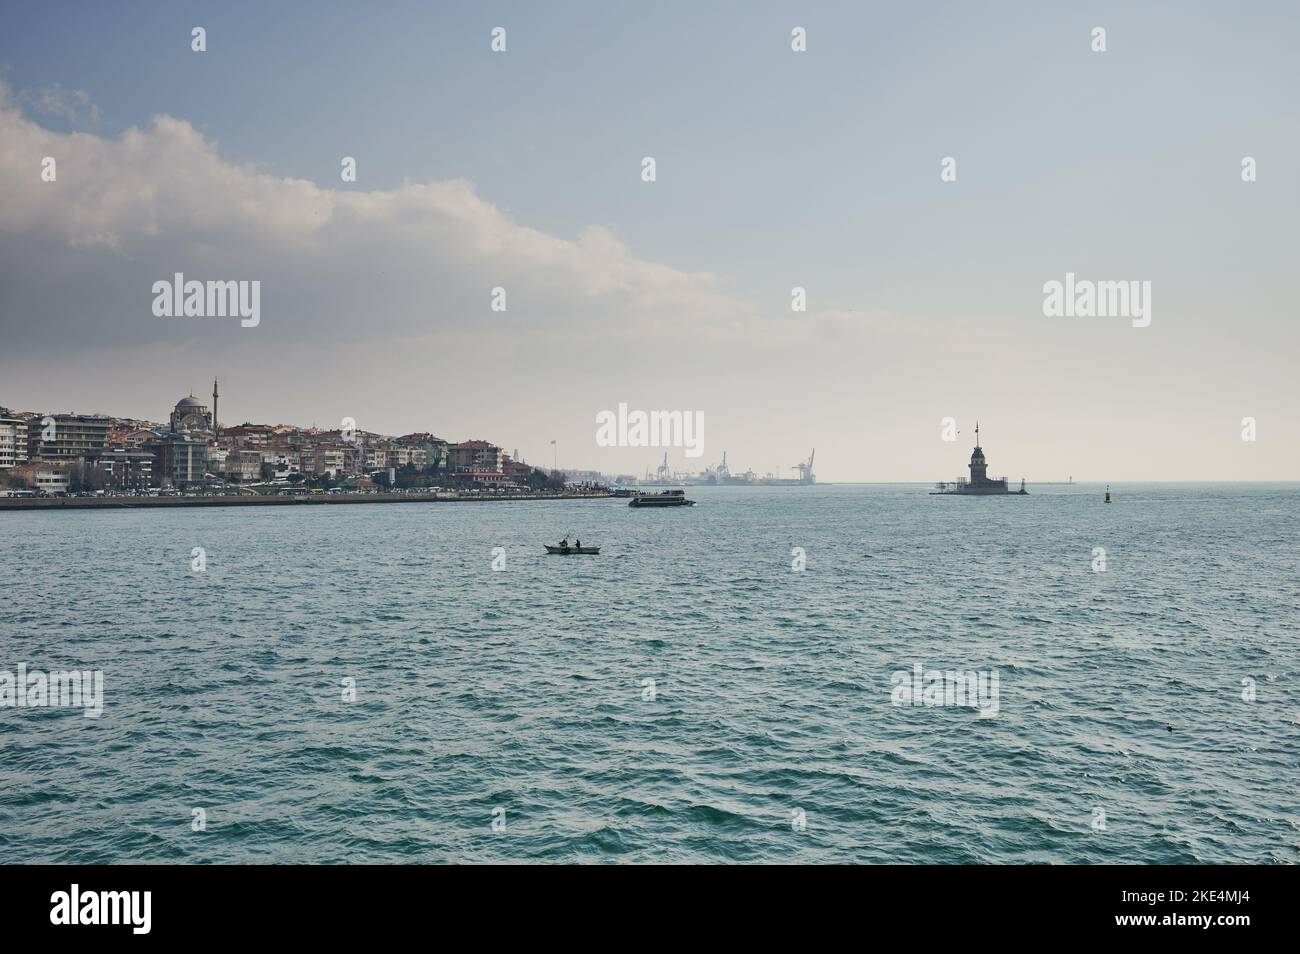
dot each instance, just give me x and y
(775, 169)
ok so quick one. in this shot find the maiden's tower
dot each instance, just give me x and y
(979, 482)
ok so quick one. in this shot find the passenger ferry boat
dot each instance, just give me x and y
(669, 498)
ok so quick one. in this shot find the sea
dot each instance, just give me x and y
(766, 677)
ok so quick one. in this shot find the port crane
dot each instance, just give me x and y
(805, 470)
(662, 473)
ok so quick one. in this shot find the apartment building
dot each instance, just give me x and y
(13, 442)
(245, 465)
(474, 456)
(67, 436)
(123, 468)
(180, 459)
(434, 449)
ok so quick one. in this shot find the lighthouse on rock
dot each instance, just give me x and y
(979, 483)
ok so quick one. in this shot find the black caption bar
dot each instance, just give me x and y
(138, 904)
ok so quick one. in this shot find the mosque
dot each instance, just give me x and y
(181, 452)
(191, 414)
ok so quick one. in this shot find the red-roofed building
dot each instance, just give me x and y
(516, 470)
(474, 457)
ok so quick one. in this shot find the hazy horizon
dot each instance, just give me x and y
(775, 169)
(677, 461)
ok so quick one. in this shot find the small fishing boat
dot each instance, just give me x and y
(567, 550)
(669, 498)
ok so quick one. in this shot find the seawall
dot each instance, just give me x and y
(270, 500)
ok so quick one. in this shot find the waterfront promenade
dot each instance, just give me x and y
(273, 500)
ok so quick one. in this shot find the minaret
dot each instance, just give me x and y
(215, 432)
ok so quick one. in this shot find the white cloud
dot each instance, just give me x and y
(74, 106)
(138, 207)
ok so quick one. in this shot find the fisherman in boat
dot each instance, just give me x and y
(578, 544)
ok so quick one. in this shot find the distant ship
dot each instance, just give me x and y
(669, 498)
(722, 476)
(979, 483)
(805, 476)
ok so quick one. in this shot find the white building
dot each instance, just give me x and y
(52, 481)
(13, 442)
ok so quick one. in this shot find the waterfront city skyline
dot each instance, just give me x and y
(679, 464)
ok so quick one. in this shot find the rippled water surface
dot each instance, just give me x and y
(521, 694)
